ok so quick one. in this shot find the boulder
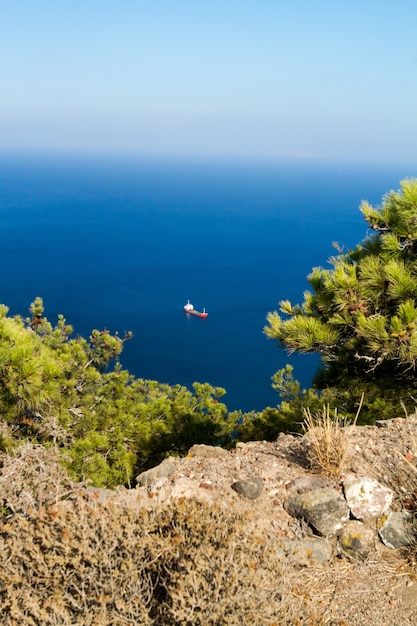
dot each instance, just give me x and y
(357, 540)
(325, 510)
(150, 476)
(308, 551)
(250, 488)
(366, 497)
(397, 529)
(201, 449)
(307, 483)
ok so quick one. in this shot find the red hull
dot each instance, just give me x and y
(196, 313)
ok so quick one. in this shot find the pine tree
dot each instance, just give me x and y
(361, 314)
(68, 392)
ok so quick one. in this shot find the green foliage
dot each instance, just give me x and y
(29, 371)
(71, 393)
(59, 390)
(266, 425)
(361, 314)
(287, 417)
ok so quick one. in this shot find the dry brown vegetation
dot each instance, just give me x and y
(69, 556)
(84, 562)
(328, 438)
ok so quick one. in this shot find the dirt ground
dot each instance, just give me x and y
(382, 591)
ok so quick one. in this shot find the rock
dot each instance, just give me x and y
(325, 510)
(357, 540)
(383, 423)
(184, 488)
(250, 488)
(397, 529)
(201, 449)
(285, 437)
(150, 476)
(307, 483)
(100, 494)
(308, 551)
(241, 445)
(206, 484)
(390, 422)
(366, 497)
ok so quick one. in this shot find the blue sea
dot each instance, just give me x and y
(123, 243)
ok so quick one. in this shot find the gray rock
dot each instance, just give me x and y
(150, 476)
(357, 540)
(201, 449)
(325, 510)
(397, 529)
(388, 422)
(308, 551)
(98, 495)
(307, 483)
(248, 445)
(366, 497)
(250, 488)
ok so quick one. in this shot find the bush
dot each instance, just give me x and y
(32, 477)
(68, 392)
(327, 438)
(360, 315)
(86, 562)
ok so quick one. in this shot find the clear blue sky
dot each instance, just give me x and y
(317, 78)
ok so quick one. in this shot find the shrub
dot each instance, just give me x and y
(68, 392)
(360, 315)
(31, 477)
(327, 439)
(86, 562)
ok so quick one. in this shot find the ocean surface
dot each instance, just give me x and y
(123, 243)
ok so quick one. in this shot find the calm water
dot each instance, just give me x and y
(124, 244)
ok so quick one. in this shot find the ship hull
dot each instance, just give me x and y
(196, 313)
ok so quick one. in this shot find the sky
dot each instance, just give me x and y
(219, 78)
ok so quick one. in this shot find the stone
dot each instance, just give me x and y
(307, 483)
(357, 540)
(100, 494)
(366, 497)
(325, 510)
(206, 484)
(151, 476)
(383, 423)
(201, 449)
(395, 421)
(245, 446)
(250, 488)
(309, 551)
(397, 529)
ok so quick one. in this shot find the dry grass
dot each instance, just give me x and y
(111, 563)
(69, 556)
(328, 438)
(32, 476)
(407, 479)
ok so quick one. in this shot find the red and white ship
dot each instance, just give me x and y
(188, 308)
